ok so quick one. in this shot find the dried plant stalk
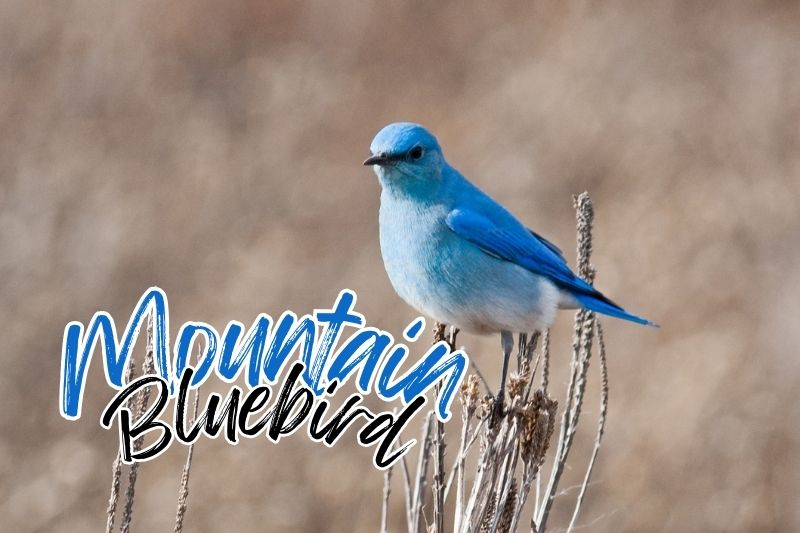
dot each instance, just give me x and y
(470, 393)
(422, 473)
(601, 423)
(183, 490)
(387, 491)
(581, 354)
(142, 398)
(116, 467)
(438, 447)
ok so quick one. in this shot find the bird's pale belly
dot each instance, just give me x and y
(453, 281)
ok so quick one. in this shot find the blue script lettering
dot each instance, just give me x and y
(77, 349)
(265, 350)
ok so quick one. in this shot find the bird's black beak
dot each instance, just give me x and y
(378, 159)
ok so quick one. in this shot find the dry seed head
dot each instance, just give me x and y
(507, 516)
(538, 423)
(470, 393)
(439, 332)
(550, 408)
(488, 514)
(516, 385)
(485, 406)
(529, 414)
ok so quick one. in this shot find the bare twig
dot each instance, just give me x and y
(545, 360)
(438, 447)
(470, 393)
(141, 404)
(601, 424)
(422, 472)
(408, 488)
(581, 353)
(116, 468)
(183, 491)
(387, 490)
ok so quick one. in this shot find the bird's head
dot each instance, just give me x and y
(406, 157)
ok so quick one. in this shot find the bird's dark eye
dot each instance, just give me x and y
(416, 153)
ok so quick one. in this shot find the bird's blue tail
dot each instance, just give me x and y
(600, 304)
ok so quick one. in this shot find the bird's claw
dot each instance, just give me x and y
(497, 410)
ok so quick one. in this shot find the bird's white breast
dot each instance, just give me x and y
(451, 280)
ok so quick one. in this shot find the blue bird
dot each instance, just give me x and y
(458, 256)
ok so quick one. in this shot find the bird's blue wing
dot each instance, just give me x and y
(515, 244)
(510, 241)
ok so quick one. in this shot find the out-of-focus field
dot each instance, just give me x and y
(214, 149)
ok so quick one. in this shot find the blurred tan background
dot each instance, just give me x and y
(214, 149)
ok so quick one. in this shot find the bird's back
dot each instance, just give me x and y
(451, 279)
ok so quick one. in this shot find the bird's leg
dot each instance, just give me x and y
(507, 343)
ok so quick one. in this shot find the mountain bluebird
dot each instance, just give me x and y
(458, 256)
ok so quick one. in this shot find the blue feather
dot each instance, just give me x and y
(600, 304)
(527, 249)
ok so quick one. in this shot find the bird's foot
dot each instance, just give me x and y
(497, 410)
